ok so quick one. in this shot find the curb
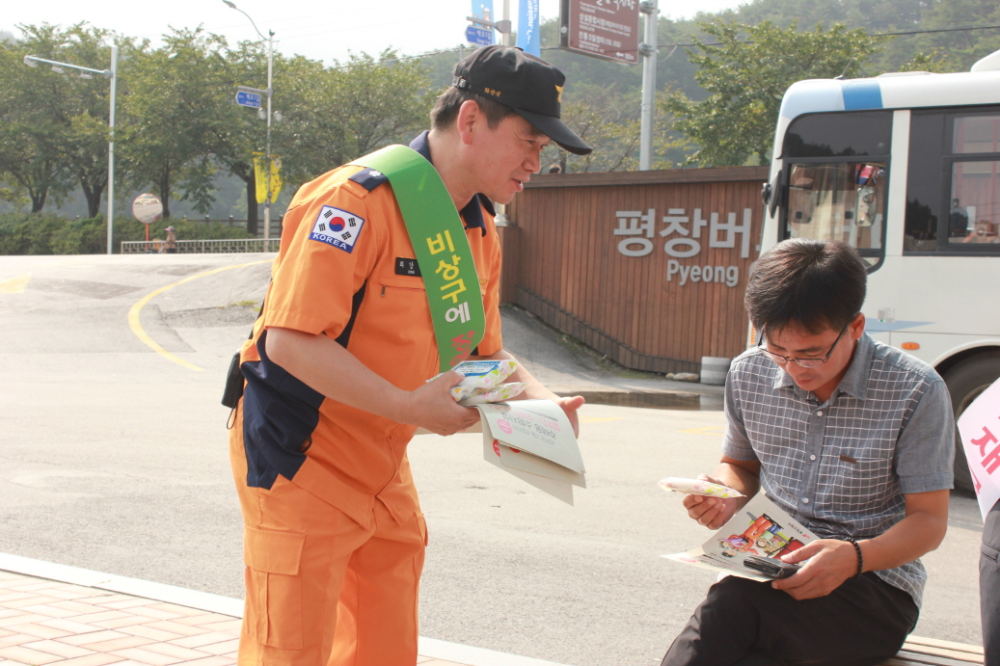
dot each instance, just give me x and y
(214, 603)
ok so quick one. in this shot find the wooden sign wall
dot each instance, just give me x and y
(646, 267)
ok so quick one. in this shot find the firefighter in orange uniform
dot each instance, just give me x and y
(336, 376)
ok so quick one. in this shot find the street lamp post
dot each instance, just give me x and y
(270, 93)
(87, 72)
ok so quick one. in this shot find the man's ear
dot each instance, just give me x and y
(857, 326)
(470, 116)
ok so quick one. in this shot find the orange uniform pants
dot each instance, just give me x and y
(320, 589)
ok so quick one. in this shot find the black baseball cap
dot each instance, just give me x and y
(529, 85)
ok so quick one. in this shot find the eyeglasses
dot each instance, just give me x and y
(804, 362)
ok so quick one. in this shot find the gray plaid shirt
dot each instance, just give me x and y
(841, 468)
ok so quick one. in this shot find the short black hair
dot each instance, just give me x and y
(445, 110)
(813, 284)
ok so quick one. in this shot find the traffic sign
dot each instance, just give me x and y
(480, 36)
(250, 99)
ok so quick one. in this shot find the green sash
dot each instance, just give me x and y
(443, 253)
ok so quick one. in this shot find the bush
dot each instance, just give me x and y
(45, 233)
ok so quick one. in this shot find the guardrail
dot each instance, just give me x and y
(224, 246)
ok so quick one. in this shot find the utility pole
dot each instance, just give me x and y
(647, 111)
(270, 94)
(88, 73)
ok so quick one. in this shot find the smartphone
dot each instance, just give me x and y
(771, 566)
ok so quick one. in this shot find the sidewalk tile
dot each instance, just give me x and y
(233, 625)
(27, 655)
(100, 616)
(11, 596)
(41, 631)
(147, 631)
(116, 644)
(177, 627)
(182, 654)
(211, 661)
(80, 607)
(145, 656)
(98, 659)
(51, 610)
(154, 613)
(63, 650)
(221, 648)
(199, 640)
(119, 603)
(201, 618)
(70, 626)
(24, 604)
(93, 637)
(21, 618)
(179, 610)
(126, 621)
(17, 639)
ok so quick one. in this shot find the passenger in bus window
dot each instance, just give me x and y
(853, 439)
(958, 220)
(983, 233)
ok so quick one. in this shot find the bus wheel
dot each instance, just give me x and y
(965, 382)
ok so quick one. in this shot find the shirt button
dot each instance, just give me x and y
(819, 413)
(812, 457)
(805, 500)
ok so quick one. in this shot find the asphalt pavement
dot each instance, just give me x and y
(113, 460)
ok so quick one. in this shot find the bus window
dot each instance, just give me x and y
(953, 193)
(838, 201)
(974, 203)
(836, 173)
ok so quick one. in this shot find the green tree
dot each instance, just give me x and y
(178, 112)
(360, 106)
(33, 119)
(608, 122)
(746, 72)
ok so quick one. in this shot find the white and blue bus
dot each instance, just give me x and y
(906, 168)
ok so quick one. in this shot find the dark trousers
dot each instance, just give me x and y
(989, 586)
(748, 623)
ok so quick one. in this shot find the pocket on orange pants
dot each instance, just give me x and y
(274, 587)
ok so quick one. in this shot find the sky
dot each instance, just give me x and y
(317, 29)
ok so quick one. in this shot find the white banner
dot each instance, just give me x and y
(979, 429)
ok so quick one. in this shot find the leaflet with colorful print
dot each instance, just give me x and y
(760, 528)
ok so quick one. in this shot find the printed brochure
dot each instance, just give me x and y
(760, 528)
(534, 441)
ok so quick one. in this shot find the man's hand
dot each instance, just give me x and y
(712, 512)
(831, 562)
(570, 405)
(432, 407)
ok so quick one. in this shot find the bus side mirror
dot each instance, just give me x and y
(770, 194)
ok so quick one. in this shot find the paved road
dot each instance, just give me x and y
(113, 458)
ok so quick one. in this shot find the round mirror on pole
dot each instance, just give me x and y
(147, 208)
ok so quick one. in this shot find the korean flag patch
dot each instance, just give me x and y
(337, 227)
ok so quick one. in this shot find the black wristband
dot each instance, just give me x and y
(861, 559)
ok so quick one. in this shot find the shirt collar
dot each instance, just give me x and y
(854, 382)
(472, 213)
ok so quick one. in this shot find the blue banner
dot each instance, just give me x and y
(528, 30)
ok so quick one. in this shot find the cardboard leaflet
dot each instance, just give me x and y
(534, 441)
(760, 528)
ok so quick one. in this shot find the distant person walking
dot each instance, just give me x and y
(170, 245)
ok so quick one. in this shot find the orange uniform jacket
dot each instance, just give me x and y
(361, 292)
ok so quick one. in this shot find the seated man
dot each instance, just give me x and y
(852, 438)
